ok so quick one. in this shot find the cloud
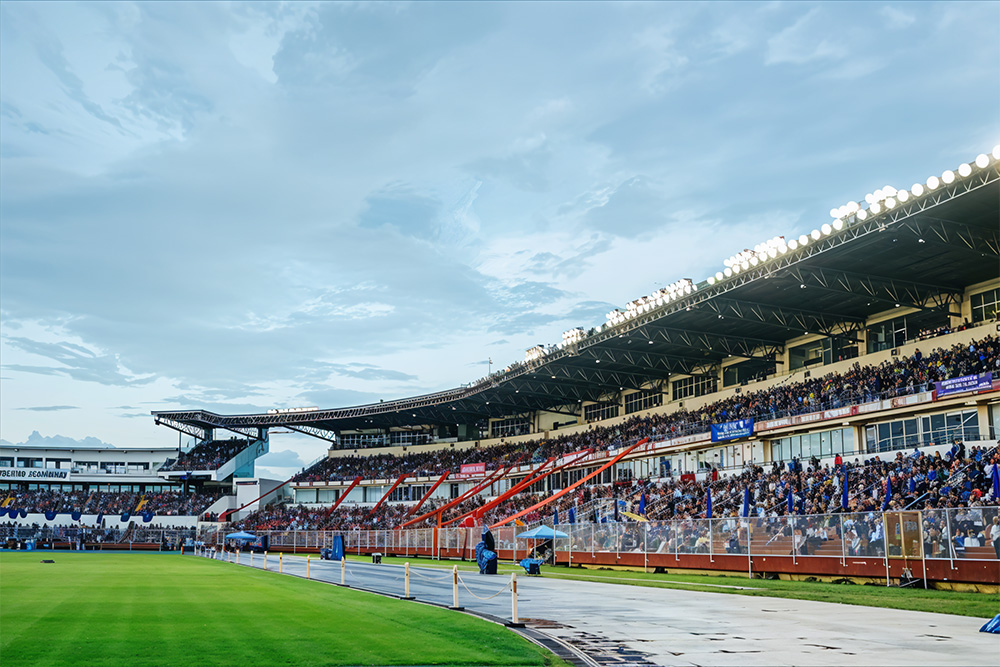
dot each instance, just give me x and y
(896, 18)
(76, 362)
(803, 42)
(51, 408)
(285, 458)
(36, 439)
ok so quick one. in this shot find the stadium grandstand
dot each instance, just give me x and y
(818, 400)
(825, 404)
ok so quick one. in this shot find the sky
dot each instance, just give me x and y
(244, 206)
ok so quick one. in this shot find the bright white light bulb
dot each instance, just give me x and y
(878, 195)
(890, 202)
(815, 235)
(793, 244)
(719, 275)
(876, 208)
(933, 182)
(869, 198)
(964, 170)
(744, 265)
(948, 177)
(996, 152)
(917, 189)
(826, 230)
(803, 240)
(737, 268)
(728, 272)
(772, 253)
(982, 160)
(862, 214)
(889, 191)
(902, 195)
(754, 261)
(854, 207)
(838, 224)
(834, 212)
(711, 280)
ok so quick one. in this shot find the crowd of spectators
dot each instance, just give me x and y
(164, 503)
(859, 384)
(207, 455)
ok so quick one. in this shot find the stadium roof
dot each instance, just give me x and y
(921, 253)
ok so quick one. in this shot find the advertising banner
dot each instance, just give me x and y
(473, 468)
(33, 474)
(741, 428)
(964, 383)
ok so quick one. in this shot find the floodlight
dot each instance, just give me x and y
(869, 198)
(727, 262)
(826, 229)
(772, 253)
(948, 176)
(890, 202)
(719, 275)
(902, 195)
(862, 214)
(917, 189)
(982, 160)
(783, 248)
(834, 213)
(803, 240)
(875, 208)
(838, 224)
(728, 272)
(754, 261)
(933, 182)
(745, 265)
(711, 280)
(853, 206)
(889, 191)
(737, 268)
(996, 152)
(964, 170)
(815, 234)
(878, 195)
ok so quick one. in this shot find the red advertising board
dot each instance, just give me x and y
(473, 468)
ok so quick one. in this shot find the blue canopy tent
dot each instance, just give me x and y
(541, 533)
(241, 535)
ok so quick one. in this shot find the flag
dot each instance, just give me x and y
(843, 490)
(708, 503)
(746, 502)
(555, 518)
(572, 515)
(996, 482)
(913, 485)
(616, 510)
(642, 503)
(888, 493)
(791, 500)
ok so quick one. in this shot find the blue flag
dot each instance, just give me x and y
(572, 515)
(555, 517)
(843, 490)
(996, 483)
(888, 493)
(913, 485)
(708, 504)
(642, 504)
(746, 502)
(791, 500)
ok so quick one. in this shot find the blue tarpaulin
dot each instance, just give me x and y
(241, 535)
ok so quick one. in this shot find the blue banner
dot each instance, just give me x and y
(964, 383)
(741, 428)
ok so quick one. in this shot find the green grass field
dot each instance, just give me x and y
(980, 605)
(167, 609)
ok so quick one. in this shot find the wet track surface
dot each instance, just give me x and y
(610, 624)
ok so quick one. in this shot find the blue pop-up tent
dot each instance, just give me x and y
(541, 533)
(241, 535)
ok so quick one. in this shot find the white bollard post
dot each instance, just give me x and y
(265, 560)
(307, 565)
(281, 562)
(406, 569)
(454, 576)
(513, 598)
(343, 571)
